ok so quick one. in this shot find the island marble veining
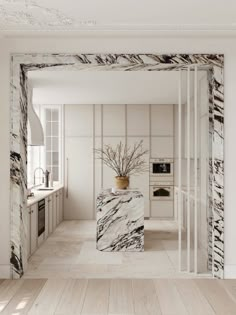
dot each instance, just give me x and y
(120, 221)
(22, 63)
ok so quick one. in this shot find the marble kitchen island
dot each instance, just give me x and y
(120, 221)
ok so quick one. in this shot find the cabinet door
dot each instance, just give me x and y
(46, 218)
(54, 211)
(141, 181)
(79, 178)
(162, 120)
(58, 207)
(79, 127)
(138, 123)
(50, 214)
(34, 228)
(61, 205)
(162, 209)
(28, 232)
(113, 120)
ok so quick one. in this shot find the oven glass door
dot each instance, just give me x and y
(161, 192)
(41, 217)
(161, 168)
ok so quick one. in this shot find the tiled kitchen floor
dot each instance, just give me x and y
(70, 252)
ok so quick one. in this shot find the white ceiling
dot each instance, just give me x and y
(70, 15)
(111, 87)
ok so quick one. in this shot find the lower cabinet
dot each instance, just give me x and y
(53, 217)
(50, 213)
(32, 228)
(60, 205)
(54, 210)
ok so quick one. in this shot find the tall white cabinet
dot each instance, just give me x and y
(94, 126)
(79, 143)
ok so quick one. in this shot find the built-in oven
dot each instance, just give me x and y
(161, 167)
(41, 217)
(162, 192)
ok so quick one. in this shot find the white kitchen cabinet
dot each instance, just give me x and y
(78, 120)
(50, 214)
(138, 120)
(28, 232)
(78, 202)
(108, 173)
(46, 219)
(60, 205)
(114, 120)
(141, 181)
(33, 228)
(162, 209)
(162, 117)
(79, 159)
(162, 147)
(54, 210)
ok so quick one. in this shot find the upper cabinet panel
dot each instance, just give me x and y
(138, 120)
(162, 120)
(78, 120)
(114, 120)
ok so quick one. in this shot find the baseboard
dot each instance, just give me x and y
(5, 272)
(230, 272)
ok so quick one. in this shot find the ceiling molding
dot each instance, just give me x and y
(117, 34)
(23, 18)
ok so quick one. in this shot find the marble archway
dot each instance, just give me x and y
(22, 63)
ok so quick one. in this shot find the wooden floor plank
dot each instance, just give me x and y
(24, 298)
(72, 298)
(49, 297)
(121, 297)
(169, 298)
(230, 287)
(193, 299)
(217, 296)
(8, 289)
(145, 297)
(96, 297)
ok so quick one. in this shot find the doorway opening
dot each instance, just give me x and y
(157, 190)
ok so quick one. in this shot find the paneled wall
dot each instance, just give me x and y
(202, 168)
(93, 126)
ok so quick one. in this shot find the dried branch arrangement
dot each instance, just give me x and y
(123, 160)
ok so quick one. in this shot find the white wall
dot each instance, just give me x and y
(121, 44)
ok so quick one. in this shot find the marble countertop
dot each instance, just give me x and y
(119, 192)
(41, 194)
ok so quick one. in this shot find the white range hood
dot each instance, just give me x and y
(35, 130)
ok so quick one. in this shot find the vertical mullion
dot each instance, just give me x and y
(180, 172)
(195, 167)
(188, 170)
(102, 145)
(94, 208)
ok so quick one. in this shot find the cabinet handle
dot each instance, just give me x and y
(67, 177)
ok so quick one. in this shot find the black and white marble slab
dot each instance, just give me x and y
(120, 221)
(22, 63)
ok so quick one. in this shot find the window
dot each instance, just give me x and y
(53, 142)
(48, 156)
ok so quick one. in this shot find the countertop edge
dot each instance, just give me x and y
(42, 195)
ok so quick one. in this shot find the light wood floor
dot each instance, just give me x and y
(70, 252)
(118, 296)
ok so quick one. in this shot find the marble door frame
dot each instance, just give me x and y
(22, 63)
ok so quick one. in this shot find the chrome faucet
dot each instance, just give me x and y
(38, 168)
